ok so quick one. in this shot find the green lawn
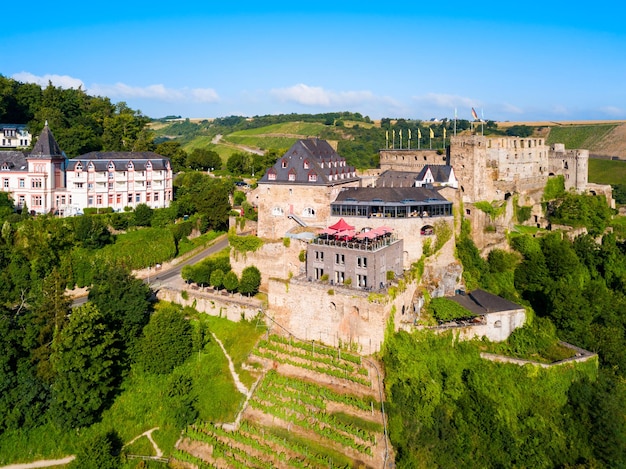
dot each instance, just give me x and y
(607, 171)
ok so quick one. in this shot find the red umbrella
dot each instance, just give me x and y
(341, 225)
(383, 229)
(346, 234)
(327, 231)
(367, 235)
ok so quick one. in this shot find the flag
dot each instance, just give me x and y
(444, 133)
(409, 134)
(400, 134)
(474, 115)
(432, 134)
(419, 133)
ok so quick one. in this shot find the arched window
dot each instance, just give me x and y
(308, 212)
(278, 212)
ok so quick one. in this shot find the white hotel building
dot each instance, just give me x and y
(47, 181)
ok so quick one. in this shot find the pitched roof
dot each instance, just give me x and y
(310, 161)
(482, 302)
(393, 178)
(13, 161)
(46, 145)
(120, 159)
(440, 172)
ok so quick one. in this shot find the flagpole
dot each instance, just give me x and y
(455, 122)
(482, 121)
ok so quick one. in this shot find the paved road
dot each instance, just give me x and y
(172, 274)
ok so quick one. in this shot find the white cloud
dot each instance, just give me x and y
(158, 92)
(62, 81)
(318, 96)
(124, 91)
(612, 111)
(445, 101)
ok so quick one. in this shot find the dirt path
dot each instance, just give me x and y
(148, 434)
(240, 386)
(42, 463)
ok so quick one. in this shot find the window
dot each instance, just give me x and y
(308, 212)
(137, 197)
(36, 183)
(90, 200)
(111, 175)
(78, 185)
(148, 196)
(283, 163)
(148, 184)
(156, 196)
(111, 185)
(99, 199)
(110, 200)
(339, 277)
(278, 212)
(22, 183)
(292, 175)
(318, 273)
(312, 177)
(5, 183)
(361, 280)
(36, 201)
(319, 255)
(21, 200)
(271, 175)
(361, 262)
(130, 198)
(340, 259)
(306, 164)
(90, 185)
(118, 199)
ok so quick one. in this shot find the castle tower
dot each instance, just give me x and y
(46, 168)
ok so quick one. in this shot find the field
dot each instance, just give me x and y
(607, 171)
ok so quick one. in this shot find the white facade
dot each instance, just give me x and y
(46, 181)
(14, 136)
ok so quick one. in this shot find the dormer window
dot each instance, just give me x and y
(129, 166)
(283, 163)
(271, 175)
(149, 165)
(312, 177)
(292, 175)
(111, 166)
(79, 167)
(306, 164)
(90, 166)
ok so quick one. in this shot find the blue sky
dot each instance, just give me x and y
(525, 62)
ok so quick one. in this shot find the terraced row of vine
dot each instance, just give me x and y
(321, 359)
(296, 421)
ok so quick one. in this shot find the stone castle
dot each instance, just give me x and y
(330, 295)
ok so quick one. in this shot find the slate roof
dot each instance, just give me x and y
(441, 173)
(120, 160)
(481, 302)
(308, 157)
(46, 145)
(395, 195)
(13, 161)
(392, 178)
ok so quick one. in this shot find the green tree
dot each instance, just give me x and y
(203, 159)
(143, 215)
(84, 356)
(166, 340)
(250, 281)
(217, 278)
(124, 302)
(231, 282)
(173, 151)
(99, 451)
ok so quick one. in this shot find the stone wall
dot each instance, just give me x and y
(273, 259)
(276, 202)
(411, 160)
(233, 307)
(310, 311)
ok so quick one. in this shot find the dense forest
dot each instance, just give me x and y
(447, 407)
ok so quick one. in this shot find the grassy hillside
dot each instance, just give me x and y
(579, 136)
(607, 171)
